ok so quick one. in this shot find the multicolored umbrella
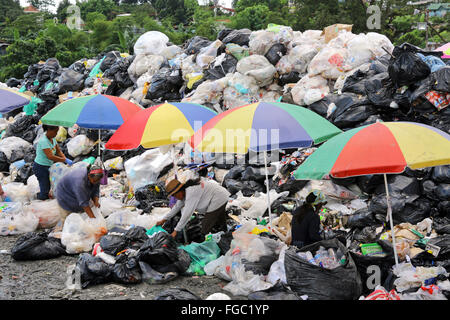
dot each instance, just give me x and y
(12, 99)
(263, 126)
(445, 50)
(379, 148)
(98, 111)
(164, 124)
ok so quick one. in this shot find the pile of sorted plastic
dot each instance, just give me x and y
(351, 80)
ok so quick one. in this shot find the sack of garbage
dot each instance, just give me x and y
(240, 90)
(261, 41)
(80, 145)
(93, 270)
(330, 63)
(14, 145)
(70, 80)
(144, 169)
(151, 42)
(208, 54)
(126, 270)
(278, 292)
(240, 37)
(145, 64)
(319, 283)
(309, 90)
(37, 246)
(16, 192)
(80, 232)
(46, 211)
(201, 254)
(257, 67)
(13, 220)
(298, 59)
(177, 294)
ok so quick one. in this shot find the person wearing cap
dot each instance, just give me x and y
(75, 191)
(305, 224)
(201, 195)
(47, 153)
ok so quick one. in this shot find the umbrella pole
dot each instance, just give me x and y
(99, 142)
(267, 187)
(389, 210)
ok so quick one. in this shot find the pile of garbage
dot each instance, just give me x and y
(352, 80)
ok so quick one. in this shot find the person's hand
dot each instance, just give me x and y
(174, 234)
(161, 222)
(96, 203)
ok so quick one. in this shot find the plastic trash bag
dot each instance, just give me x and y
(237, 51)
(16, 192)
(278, 292)
(80, 232)
(37, 246)
(14, 145)
(433, 62)
(309, 90)
(13, 220)
(109, 205)
(304, 278)
(329, 63)
(407, 67)
(195, 44)
(80, 145)
(151, 42)
(298, 58)
(151, 276)
(32, 187)
(144, 169)
(201, 254)
(177, 294)
(70, 80)
(240, 37)
(257, 67)
(46, 211)
(93, 270)
(126, 270)
(208, 54)
(328, 188)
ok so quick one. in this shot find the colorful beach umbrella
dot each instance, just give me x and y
(263, 126)
(164, 124)
(98, 111)
(379, 148)
(445, 50)
(12, 99)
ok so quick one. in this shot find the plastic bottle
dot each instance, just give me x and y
(319, 257)
(310, 258)
(106, 257)
(235, 262)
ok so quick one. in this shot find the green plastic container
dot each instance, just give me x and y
(372, 249)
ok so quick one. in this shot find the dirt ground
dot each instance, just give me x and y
(45, 280)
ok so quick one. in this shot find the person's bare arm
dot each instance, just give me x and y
(89, 212)
(54, 158)
(59, 152)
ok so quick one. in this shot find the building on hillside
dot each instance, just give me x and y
(438, 9)
(30, 9)
(3, 46)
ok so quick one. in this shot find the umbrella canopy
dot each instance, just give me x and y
(382, 147)
(12, 99)
(445, 50)
(160, 125)
(94, 112)
(263, 126)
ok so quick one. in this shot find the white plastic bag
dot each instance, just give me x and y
(14, 220)
(330, 62)
(208, 54)
(16, 191)
(144, 169)
(257, 67)
(115, 163)
(328, 188)
(277, 271)
(14, 144)
(46, 211)
(254, 207)
(33, 187)
(309, 89)
(151, 42)
(109, 205)
(261, 41)
(80, 232)
(80, 145)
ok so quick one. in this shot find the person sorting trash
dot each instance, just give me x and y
(305, 224)
(201, 195)
(47, 153)
(75, 190)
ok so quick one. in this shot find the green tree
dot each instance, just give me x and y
(42, 5)
(253, 18)
(10, 9)
(61, 10)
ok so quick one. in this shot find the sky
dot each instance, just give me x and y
(24, 3)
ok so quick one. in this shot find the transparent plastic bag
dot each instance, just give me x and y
(79, 145)
(14, 220)
(109, 205)
(257, 67)
(33, 187)
(208, 54)
(80, 232)
(316, 84)
(46, 211)
(115, 163)
(151, 42)
(330, 62)
(261, 41)
(16, 191)
(14, 144)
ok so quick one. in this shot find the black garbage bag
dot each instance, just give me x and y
(93, 270)
(195, 44)
(429, 189)
(365, 234)
(291, 185)
(20, 126)
(110, 58)
(49, 71)
(119, 73)
(240, 37)
(414, 212)
(235, 173)
(37, 246)
(223, 33)
(165, 85)
(275, 53)
(427, 259)
(351, 117)
(406, 67)
(369, 183)
(341, 283)
(78, 66)
(440, 80)
(126, 270)
(321, 107)
(362, 218)
(346, 101)
(151, 276)
(159, 251)
(441, 174)
(218, 72)
(177, 294)
(112, 244)
(225, 242)
(380, 90)
(24, 173)
(151, 195)
(136, 237)
(355, 83)
(364, 263)
(291, 77)
(4, 163)
(13, 82)
(254, 174)
(444, 208)
(441, 225)
(442, 191)
(279, 291)
(70, 80)
(260, 267)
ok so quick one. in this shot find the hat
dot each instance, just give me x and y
(320, 197)
(173, 186)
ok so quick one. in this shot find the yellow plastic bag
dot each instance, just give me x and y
(61, 136)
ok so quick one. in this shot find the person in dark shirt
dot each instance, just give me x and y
(305, 224)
